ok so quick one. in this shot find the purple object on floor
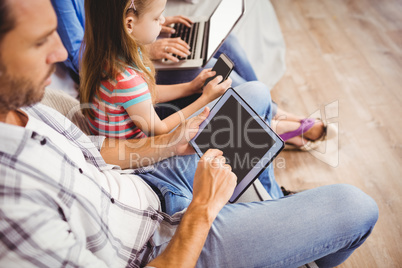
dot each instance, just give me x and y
(305, 125)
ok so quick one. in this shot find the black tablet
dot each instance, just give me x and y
(247, 141)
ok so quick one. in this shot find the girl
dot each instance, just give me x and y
(118, 79)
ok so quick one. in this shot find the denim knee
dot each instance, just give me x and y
(258, 96)
(361, 207)
(174, 202)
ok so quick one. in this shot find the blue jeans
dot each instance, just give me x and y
(232, 48)
(172, 178)
(325, 225)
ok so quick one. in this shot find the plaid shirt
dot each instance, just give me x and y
(53, 214)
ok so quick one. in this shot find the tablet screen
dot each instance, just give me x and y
(247, 142)
(238, 134)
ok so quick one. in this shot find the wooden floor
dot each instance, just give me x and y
(344, 61)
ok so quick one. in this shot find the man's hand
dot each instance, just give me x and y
(185, 132)
(214, 183)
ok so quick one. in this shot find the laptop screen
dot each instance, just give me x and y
(221, 23)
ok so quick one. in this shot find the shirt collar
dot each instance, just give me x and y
(12, 138)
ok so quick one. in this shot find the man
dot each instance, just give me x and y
(61, 205)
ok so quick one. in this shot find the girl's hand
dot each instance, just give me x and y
(198, 83)
(214, 90)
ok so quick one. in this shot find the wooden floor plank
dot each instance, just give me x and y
(348, 54)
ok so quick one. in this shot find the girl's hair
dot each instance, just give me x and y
(108, 47)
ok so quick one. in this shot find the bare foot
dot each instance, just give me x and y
(315, 132)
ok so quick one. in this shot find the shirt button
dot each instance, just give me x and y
(112, 200)
(43, 142)
(80, 170)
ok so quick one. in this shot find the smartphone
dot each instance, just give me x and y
(223, 67)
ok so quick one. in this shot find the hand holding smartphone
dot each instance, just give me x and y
(223, 67)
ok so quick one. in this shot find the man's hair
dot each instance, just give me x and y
(7, 21)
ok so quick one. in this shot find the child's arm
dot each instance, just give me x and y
(166, 93)
(144, 116)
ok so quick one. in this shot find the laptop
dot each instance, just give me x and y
(205, 36)
(247, 141)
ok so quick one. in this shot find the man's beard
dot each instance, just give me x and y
(19, 92)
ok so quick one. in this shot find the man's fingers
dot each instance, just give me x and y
(204, 113)
(233, 179)
(211, 154)
(202, 116)
(222, 160)
(218, 162)
(227, 166)
(193, 124)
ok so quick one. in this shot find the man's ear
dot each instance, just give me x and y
(130, 23)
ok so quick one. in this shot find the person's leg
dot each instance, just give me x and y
(325, 225)
(232, 48)
(172, 179)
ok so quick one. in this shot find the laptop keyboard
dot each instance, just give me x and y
(188, 35)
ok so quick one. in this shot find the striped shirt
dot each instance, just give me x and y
(55, 210)
(109, 106)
